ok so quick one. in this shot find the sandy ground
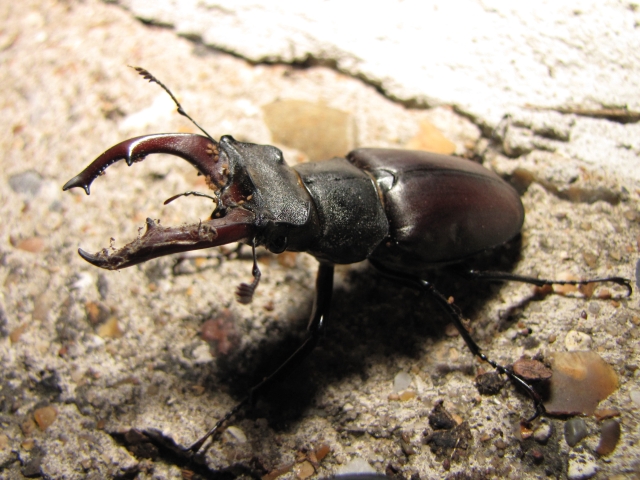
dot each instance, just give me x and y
(111, 351)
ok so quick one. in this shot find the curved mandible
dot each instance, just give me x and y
(201, 152)
(237, 226)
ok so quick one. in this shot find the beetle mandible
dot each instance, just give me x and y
(405, 211)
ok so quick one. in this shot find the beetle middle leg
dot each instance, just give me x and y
(321, 304)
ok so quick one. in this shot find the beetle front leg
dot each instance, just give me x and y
(321, 305)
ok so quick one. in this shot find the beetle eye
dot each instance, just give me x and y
(278, 244)
(277, 156)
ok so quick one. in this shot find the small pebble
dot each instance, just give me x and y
(26, 183)
(4, 442)
(407, 395)
(634, 395)
(577, 341)
(202, 354)
(17, 332)
(103, 286)
(489, 383)
(322, 451)
(537, 456)
(31, 244)
(530, 369)
(565, 289)
(235, 435)
(580, 381)
(83, 280)
(590, 259)
(401, 382)
(356, 465)
(581, 466)
(431, 139)
(451, 331)
(542, 433)
(609, 437)
(615, 255)
(304, 470)
(110, 329)
(41, 306)
(587, 289)
(440, 418)
(500, 444)
(96, 313)
(45, 416)
(525, 431)
(313, 128)
(575, 430)
(606, 413)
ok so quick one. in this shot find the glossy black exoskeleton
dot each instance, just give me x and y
(405, 211)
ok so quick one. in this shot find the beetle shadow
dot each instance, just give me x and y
(372, 320)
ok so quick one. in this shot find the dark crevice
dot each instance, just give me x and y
(304, 63)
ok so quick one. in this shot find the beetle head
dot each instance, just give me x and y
(259, 199)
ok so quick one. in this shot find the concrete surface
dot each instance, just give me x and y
(111, 351)
(487, 59)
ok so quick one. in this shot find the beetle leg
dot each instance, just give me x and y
(245, 291)
(456, 316)
(321, 304)
(539, 282)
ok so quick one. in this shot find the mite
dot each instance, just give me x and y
(406, 212)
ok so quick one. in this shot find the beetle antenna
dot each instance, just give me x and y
(186, 194)
(147, 76)
(244, 292)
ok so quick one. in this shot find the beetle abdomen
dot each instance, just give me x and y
(441, 209)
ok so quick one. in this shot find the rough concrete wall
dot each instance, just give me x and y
(110, 351)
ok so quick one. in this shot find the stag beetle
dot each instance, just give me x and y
(405, 211)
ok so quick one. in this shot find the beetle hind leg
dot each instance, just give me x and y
(455, 315)
(540, 282)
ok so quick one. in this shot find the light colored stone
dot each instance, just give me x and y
(401, 381)
(576, 341)
(581, 466)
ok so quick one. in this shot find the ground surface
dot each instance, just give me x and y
(111, 351)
